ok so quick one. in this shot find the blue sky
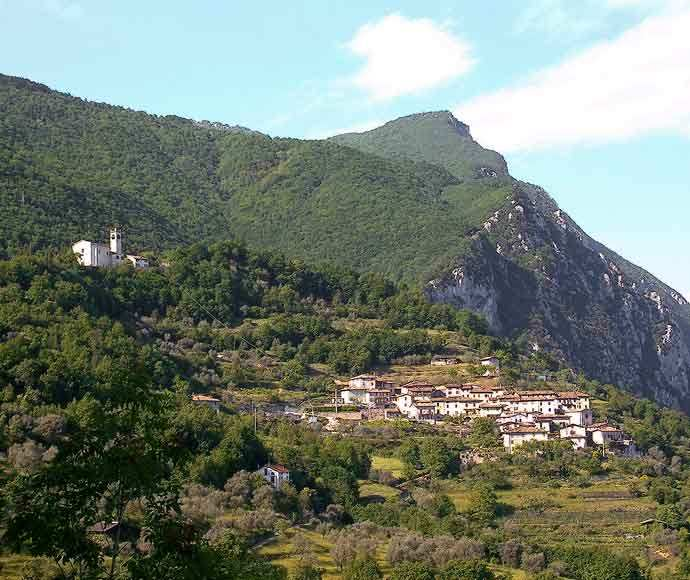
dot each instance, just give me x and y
(588, 98)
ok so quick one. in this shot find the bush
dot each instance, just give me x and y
(363, 569)
(533, 562)
(413, 571)
(472, 570)
(511, 553)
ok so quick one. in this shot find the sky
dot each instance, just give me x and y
(588, 98)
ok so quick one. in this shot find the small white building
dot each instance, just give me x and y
(580, 417)
(354, 395)
(489, 409)
(517, 434)
(490, 361)
(577, 434)
(422, 411)
(137, 261)
(603, 434)
(455, 406)
(457, 390)
(276, 475)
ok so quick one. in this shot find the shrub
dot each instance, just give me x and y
(363, 569)
(471, 570)
(511, 553)
(533, 562)
(413, 571)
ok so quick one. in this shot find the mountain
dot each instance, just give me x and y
(417, 199)
(533, 272)
(69, 168)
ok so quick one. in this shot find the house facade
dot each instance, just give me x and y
(276, 475)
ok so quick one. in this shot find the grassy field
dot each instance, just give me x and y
(13, 566)
(605, 514)
(369, 490)
(392, 464)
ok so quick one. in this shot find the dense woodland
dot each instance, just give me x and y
(71, 168)
(97, 367)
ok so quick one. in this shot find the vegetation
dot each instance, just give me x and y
(97, 369)
(71, 168)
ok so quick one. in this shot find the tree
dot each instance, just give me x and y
(436, 456)
(485, 505)
(413, 571)
(116, 449)
(484, 434)
(469, 570)
(363, 569)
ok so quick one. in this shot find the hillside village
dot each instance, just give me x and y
(521, 415)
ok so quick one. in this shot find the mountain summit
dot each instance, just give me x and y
(436, 137)
(416, 199)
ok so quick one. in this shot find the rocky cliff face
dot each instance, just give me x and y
(533, 272)
(536, 275)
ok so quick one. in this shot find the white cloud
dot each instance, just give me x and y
(404, 56)
(634, 85)
(358, 128)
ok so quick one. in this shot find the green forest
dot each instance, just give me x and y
(71, 168)
(97, 425)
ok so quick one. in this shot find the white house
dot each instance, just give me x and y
(98, 255)
(454, 406)
(275, 474)
(515, 435)
(489, 409)
(580, 417)
(457, 390)
(603, 434)
(422, 411)
(354, 395)
(137, 261)
(490, 361)
(577, 434)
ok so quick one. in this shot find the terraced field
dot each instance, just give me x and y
(604, 514)
(281, 551)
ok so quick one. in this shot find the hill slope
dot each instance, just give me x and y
(417, 199)
(70, 168)
(534, 272)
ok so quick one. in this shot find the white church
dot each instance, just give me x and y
(104, 255)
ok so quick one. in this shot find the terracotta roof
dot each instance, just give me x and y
(278, 468)
(482, 390)
(573, 395)
(455, 399)
(489, 405)
(522, 428)
(102, 527)
(205, 399)
(363, 377)
(605, 428)
(489, 358)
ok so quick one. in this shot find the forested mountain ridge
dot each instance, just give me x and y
(532, 271)
(417, 199)
(69, 168)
